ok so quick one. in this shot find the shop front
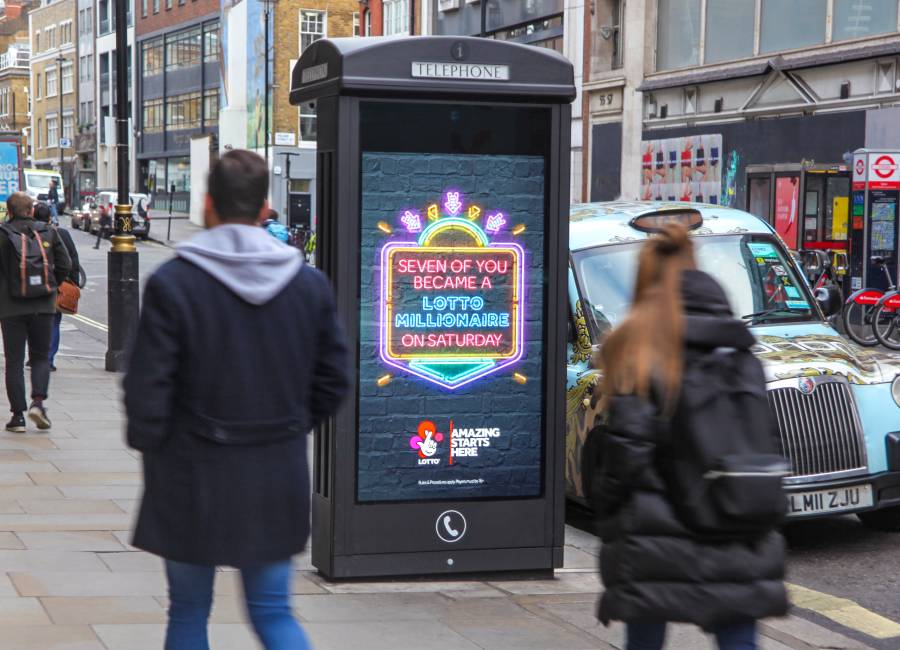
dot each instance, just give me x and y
(807, 204)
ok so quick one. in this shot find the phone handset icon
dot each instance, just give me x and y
(450, 526)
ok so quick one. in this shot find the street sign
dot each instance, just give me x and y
(286, 139)
(65, 143)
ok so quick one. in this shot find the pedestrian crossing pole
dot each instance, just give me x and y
(123, 288)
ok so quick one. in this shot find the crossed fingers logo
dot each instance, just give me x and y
(426, 440)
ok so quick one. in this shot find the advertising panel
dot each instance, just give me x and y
(451, 333)
(682, 169)
(9, 172)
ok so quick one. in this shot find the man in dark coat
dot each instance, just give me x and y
(28, 321)
(53, 200)
(238, 355)
(654, 568)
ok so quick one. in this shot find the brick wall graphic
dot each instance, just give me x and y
(427, 430)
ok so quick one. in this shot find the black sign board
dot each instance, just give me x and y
(442, 189)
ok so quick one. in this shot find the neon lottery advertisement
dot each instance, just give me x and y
(451, 334)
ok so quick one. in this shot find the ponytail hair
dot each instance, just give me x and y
(643, 354)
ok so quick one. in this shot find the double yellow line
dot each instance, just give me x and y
(89, 321)
(845, 612)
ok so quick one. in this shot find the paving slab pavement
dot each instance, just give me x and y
(70, 580)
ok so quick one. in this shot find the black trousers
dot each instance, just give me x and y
(35, 330)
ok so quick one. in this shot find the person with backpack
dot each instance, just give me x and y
(689, 493)
(42, 214)
(220, 403)
(34, 262)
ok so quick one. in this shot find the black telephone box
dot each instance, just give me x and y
(442, 200)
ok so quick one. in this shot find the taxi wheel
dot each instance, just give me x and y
(886, 519)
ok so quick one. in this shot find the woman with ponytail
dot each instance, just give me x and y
(656, 566)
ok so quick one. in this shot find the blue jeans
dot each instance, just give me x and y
(651, 636)
(54, 337)
(267, 590)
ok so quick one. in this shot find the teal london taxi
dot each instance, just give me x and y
(837, 405)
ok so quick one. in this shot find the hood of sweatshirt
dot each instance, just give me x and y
(246, 259)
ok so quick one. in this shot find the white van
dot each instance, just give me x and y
(37, 183)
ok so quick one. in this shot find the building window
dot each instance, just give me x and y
(68, 77)
(156, 6)
(792, 25)
(37, 42)
(307, 122)
(152, 53)
(50, 37)
(861, 18)
(211, 107)
(183, 111)
(183, 49)
(168, 4)
(68, 126)
(39, 134)
(50, 75)
(728, 32)
(368, 23)
(84, 21)
(143, 8)
(396, 17)
(152, 121)
(356, 23)
(312, 27)
(65, 33)
(52, 132)
(179, 174)
(678, 34)
(211, 42)
(38, 86)
(86, 68)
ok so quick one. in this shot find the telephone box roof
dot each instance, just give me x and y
(431, 66)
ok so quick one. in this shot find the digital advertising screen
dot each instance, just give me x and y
(451, 326)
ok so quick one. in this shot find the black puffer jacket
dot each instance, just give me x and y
(653, 567)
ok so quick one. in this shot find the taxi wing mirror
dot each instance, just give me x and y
(829, 299)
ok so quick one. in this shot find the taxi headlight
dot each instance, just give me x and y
(895, 390)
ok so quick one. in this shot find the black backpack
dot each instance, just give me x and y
(29, 267)
(719, 456)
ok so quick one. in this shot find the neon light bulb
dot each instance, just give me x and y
(495, 222)
(383, 227)
(473, 212)
(433, 212)
(518, 230)
(412, 221)
(453, 203)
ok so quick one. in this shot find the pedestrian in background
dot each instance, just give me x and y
(106, 215)
(53, 200)
(34, 262)
(682, 394)
(220, 401)
(42, 214)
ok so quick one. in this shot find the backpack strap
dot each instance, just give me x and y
(40, 242)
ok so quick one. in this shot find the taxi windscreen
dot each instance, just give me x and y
(759, 279)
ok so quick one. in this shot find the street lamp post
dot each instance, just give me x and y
(123, 289)
(266, 46)
(59, 120)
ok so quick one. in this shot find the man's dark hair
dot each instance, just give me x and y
(238, 185)
(42, 212)
(19, 204)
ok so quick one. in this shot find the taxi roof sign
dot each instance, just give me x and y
(655, 221)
